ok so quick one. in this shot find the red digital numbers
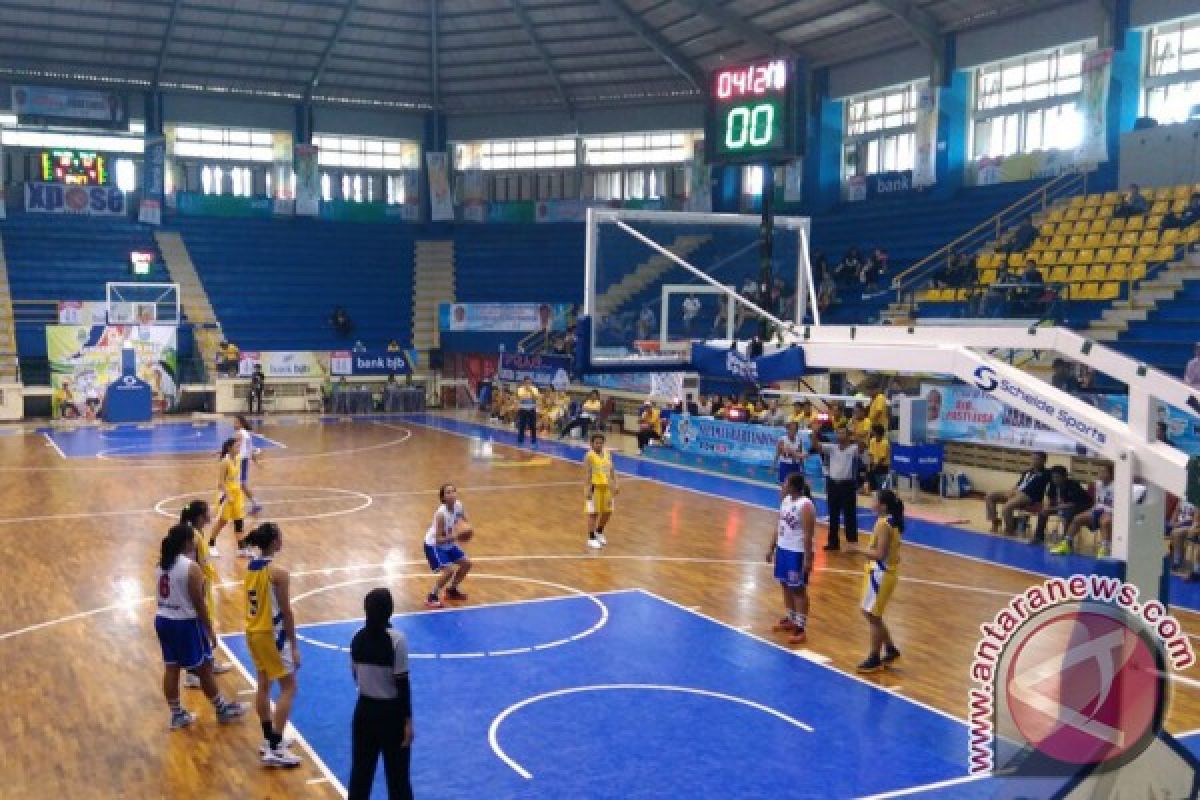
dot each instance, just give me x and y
(755, 80)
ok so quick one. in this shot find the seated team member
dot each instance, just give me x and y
(589, 414)
(1029, 490)
(1183, 531)
(1099, 517)
(1066, 499)
(879, 458)
(649, 425)
(64, 399)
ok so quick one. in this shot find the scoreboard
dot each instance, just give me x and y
(74, 167)
(751, 114)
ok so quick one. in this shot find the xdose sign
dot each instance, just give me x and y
(59, 198)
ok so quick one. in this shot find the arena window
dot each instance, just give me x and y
(1172, 77)
(881, 131)
(223, 144)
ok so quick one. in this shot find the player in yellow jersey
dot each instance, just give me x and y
(600, 487)
(232, 499)
(879, 580)
(879, 458)
(271, 639)
(196, 516)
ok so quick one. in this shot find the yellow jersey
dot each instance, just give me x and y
(599, 467)
(592, 407)
(262, 608)
(885, 530)
(880, 451)
(860, 428)
(231, 475)
(527, 398)
(878, 411)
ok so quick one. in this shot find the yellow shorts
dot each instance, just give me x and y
(233, 505)
(601, 501)
(878, 586)
(210, 580)
(270, 658)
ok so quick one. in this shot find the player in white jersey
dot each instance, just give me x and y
(792, 551)
(445, 557)
(184, 627)
(246, 452)
(789, 452)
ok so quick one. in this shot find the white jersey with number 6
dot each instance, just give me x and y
(791, 524)
(174, 599)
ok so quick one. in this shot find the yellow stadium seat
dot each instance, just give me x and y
(1085, 256)
(1165, 252)
(1087, 212)
(1047, 229)
(1048, 258)
(1163, 192)
(1097, 272)
(1104, 255)
(1080, 226)
(1016, 259)
(1079, 272)
(1179, 205)
(1148, 237)
(1098, 226)
(1144, 253)
(1066, 257)
(1077, 241)
(1116, 225)
(987, 276)
(1058, 242)
(1111, 240)
(1118, 272)
(1123, 255)
(1182, 192)
(1135, 223)
(1161, 206)
(1109, 291)
(1170, 236)
(1092, 200)
(1078, 200)
(1191, 235)
(1130, 238)
(1093, 240)
(1056, 215)
(1072, 213)
(1137, 272)
(1059, 275)
(1154, 222)
(1088, 291)
(1112, 198)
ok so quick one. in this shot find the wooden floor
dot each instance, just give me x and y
(79, 663)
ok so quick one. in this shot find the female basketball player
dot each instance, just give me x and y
(246, 452)
(195, 515)
(879, 580)
(792, 553)
(600, 488)
(184, 628)
(442, 552)
(271, 639)
(789, 452)
(233, 502)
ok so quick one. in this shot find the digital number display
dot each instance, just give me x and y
(752, 113)
(74, 167)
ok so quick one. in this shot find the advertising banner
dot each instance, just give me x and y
(82, 312)
(441, 201)
(699, 181)
(924, 171)
(519, 211)
(474, 197)
(889, 182)
(195, 204)
(1093, 106)
(637, 382)
(345, 211)
(565, 210)
(3, 181)
(308, 181)
(503, 317)
(544, 370)
(721, 362)
(286, 364)
(369, 362)
(154, 177)
(749, 444)
(44, 105)
(88, 358)
(1183, 429)
(793, 182)
(61, 198)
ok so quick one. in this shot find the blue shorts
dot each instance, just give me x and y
(245, 470)
(789, 568)
(786, 468)
(183, 642)
(439, 557)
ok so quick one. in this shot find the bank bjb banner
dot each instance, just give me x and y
(285, 364)
(60, 198)
(544, 370)
(85, 359)
(748, 444)
(370, 362)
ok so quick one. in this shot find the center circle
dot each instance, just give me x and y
(1085, 688)
(511, 651)
(266, 496)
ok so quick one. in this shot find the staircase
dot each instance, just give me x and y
(433, 284)
(9, 369)
(1163, 287)
(192, 297)
(647, 273)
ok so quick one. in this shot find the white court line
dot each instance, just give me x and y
(54, 444)
(911, 790)
(493, 739)
(294, 734)
(365, 501)
(272, 441)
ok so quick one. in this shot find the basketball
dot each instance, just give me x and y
(463, 532)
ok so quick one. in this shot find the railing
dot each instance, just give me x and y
(969, 243)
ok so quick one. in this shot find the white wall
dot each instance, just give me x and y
(470, 127)
(888, 69)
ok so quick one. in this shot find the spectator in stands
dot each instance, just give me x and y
(1191, 375)
(704, 408)
(995, 300)
(1062, 377)
(228, 357)
(649, 425)
(1028, 492)
(393, 346)
(691, 310)
(1020, 239)
(359, 347)
(1066, 499)
(966, 271)
(258, 385)
(1134, 203)
(826, 291)
(802, 414)
(1098, 518)
(646, 322)
(944, 276)
(774, 414)
(64, 401)
(91, 399)
(1033, 286)
(848, 269)
(872, 272)
(340, 320)
(722, 317)
(1186, 218)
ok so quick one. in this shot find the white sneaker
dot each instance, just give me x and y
(191, 680)
(264, 745)
(232, 711)
(280, 756)
(245, 552)
(213, 552)
(221, 667)
(594, 543)
(600, 538)
(182, 720)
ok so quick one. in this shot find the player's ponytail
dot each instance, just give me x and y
(263, 536)
(193, 512)
(173, 545)
(894, 507)
(227, 446)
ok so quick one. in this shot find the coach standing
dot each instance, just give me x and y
(527, 400)
(383, 715)
(841, 491)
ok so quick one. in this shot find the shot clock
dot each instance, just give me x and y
(752, 113)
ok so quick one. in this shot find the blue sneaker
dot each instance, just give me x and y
(182, 720)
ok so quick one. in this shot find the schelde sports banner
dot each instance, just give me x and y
(89, 358)
(60, 198)
(503, 317)
(285, 364)
(370, 362)
(749, 444)
(721, 362)
(544, 370)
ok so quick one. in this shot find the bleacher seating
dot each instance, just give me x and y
(506, 263)
(274, 283)
(1166, 337)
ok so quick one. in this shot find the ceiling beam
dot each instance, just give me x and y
(165, 44)
(923, 26)
(319, 71)
(543, 54)
(666, 51)
(736, 24)
(435, 76)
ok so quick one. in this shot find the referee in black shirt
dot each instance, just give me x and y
(383, 715)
